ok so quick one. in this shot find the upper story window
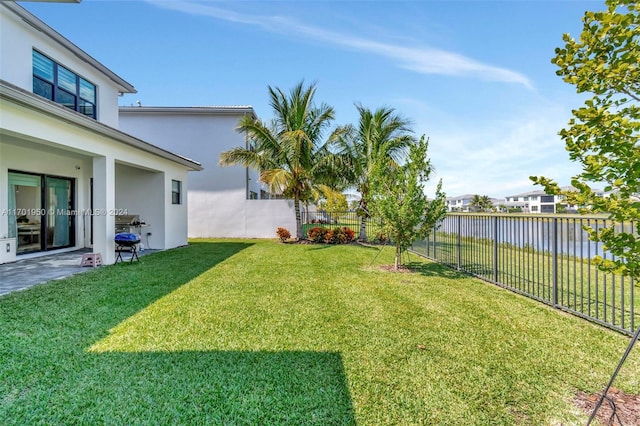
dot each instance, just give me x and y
(55, 82)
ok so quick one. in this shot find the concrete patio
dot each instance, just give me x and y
(26, 273)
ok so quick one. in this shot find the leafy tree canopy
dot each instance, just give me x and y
(398, 199)
(603, 134)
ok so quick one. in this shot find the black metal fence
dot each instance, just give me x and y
(351, 219)
(548, 258)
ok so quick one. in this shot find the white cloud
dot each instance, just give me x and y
(424, 60)
(497, 160)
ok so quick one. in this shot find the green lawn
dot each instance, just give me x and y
(257, 332)
(582, 287)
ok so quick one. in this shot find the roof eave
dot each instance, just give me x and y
(212, 110)
(35, 22)
(45, 106)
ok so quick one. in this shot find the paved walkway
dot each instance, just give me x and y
(26, 273)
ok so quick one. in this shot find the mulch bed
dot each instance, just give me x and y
(391, 268)
(627, 407)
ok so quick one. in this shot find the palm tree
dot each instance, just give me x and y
(487, 204)
(289, 152)
(476, 203)
(381, 139)
(481, 203)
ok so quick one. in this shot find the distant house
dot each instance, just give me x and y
(223, 201)
(461, 203)
(532, 202)
(541, 202)
(66, 170)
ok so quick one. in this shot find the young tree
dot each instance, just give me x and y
(398, 199)
(603, 134)
(290, 153)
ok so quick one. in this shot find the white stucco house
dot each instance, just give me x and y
(461, 203)
(540, 202)
(223, 201)
(66, 170)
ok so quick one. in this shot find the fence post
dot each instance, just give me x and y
(495, 249)
(555, 261)
(435, 256)
(459, 242)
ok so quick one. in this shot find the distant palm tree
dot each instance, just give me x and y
(381, 139)
(481, 203)
(486, 203)
(290, 153)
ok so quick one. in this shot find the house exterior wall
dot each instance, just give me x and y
(460, 203)
(38, 136)
(141, 182)
(218, 196)
(16, 155)
(17, 42)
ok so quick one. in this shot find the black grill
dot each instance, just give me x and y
(129, 242)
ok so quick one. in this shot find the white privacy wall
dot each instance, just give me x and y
(218, 196)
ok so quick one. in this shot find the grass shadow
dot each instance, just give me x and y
(192, 387)
(124, 290)
(48, 377)
(432, 269)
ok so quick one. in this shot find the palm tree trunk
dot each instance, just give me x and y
(363, 229)
(296, 206)
(363, 221)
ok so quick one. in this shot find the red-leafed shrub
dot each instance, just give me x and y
(381, 238)
(283, 234)
(350, 233)
(317, 234)
(340, 235)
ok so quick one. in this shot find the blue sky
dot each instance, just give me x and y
(473, 76)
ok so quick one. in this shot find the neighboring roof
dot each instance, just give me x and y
(123, 86)
(193, 110)
(32, 101)
(528, 194)
(460, 197)
(541, 192)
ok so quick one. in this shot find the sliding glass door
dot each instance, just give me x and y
(41, 211)
(59, 205)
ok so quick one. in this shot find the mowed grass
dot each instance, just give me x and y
(258, 332)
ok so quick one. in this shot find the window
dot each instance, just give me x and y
(55, 82)
(176, 192)
(547, 199)
(534, 208)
